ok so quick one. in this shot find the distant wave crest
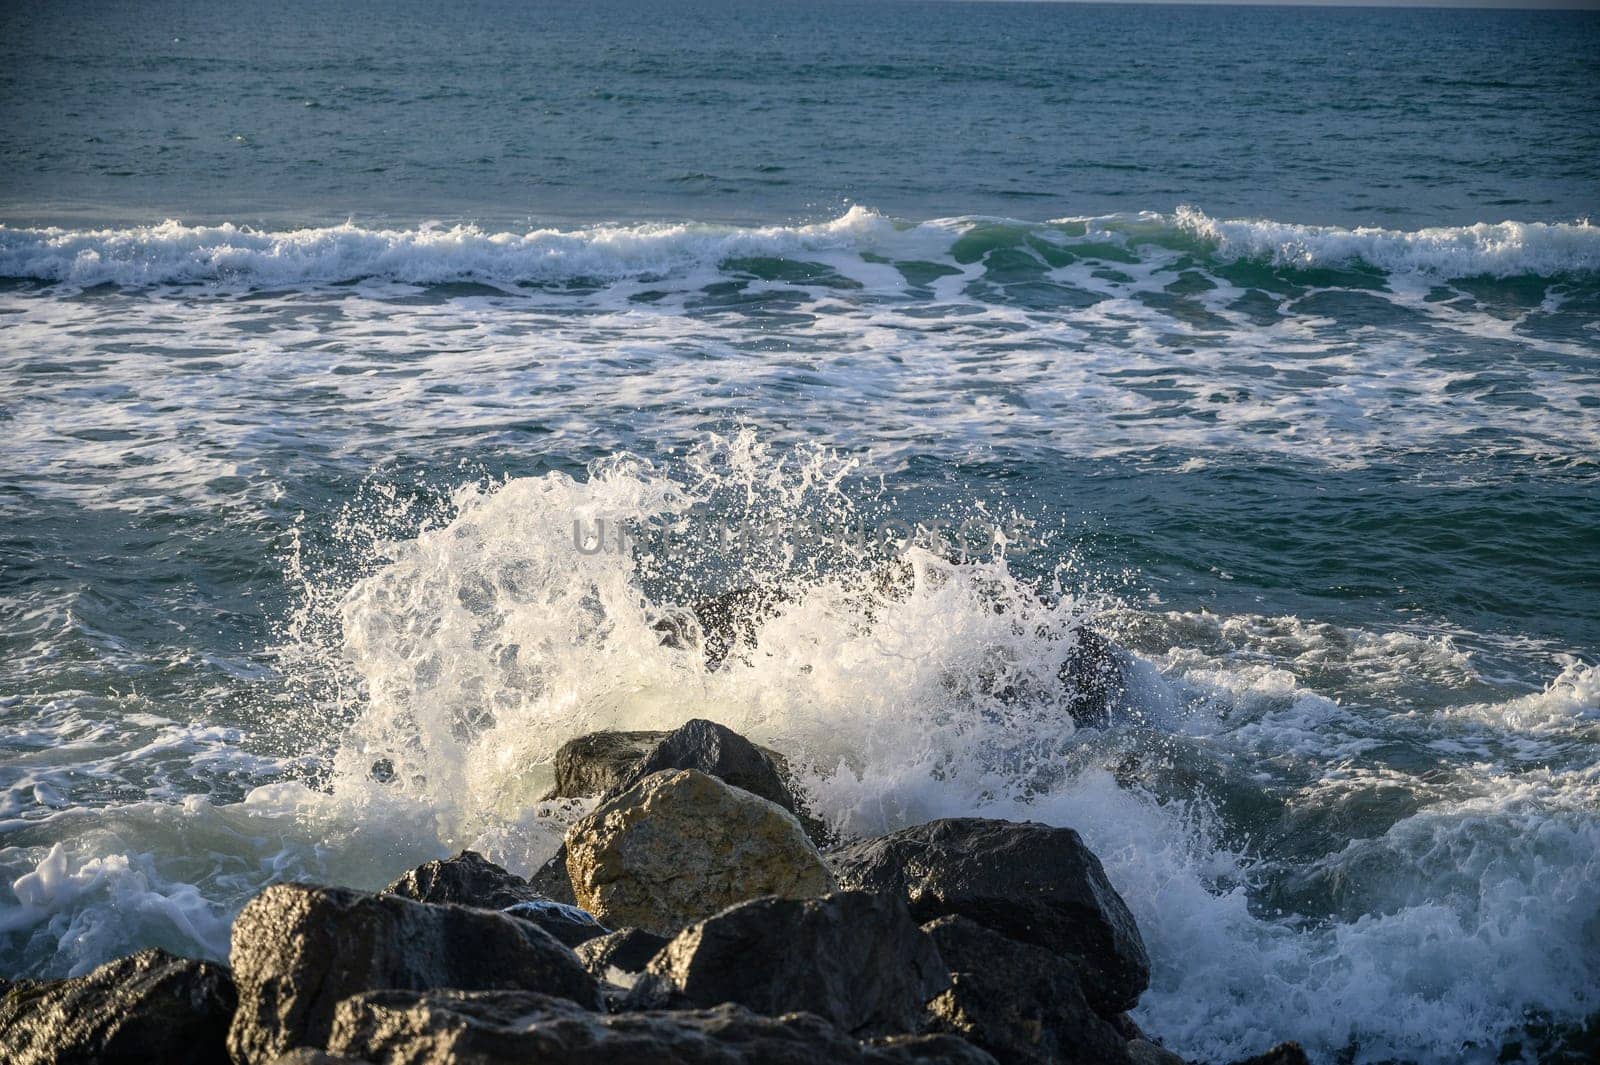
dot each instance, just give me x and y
(174, 253)
(1502, 249)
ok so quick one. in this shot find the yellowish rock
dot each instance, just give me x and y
(680, 846)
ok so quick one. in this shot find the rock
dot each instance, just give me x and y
(1035, 883)
(629, 950)
(596, 763)
(680, 845)
(568, 923)
(470, 879)
(1092, 679)
(551, 880)
(299, 950)
(719, 625)
(717, 751)
(1142, 1051)
(698, 744)
(933, 1049)
(515, 1028)
(1282, 1054)
(147, 1007)
(853, 958)
(1021, 1003)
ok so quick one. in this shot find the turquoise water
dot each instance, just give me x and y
(1271, 338)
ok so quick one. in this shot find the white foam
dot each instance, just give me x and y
(1503, 249)
(1448, 930)
(174, 253)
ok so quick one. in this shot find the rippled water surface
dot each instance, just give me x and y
(1270, 337)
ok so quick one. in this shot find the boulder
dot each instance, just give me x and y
(146, 1007)
(514, 1028)
(855, 959)
(299, 950)
(680, 845)
(1035, 883)
(717, 626)
(1092, 679)
(717, 751)
(596, 763)
(605, 763)
(1021, 1003)
(470, 879)
(551, 880)
(629, 950)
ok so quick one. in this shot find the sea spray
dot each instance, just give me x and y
(470, 635)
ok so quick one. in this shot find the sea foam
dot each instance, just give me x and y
(174, 253)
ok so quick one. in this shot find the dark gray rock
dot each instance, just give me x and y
(1035, 883)
(717, 751)
(470, 879)
(1282, 1054)
(629, 950)
(853, 958)
(147, 1007)
(1092, 679)
(298, 951)
(722, 624)
(596, 763)
(570, 924)
(552, 881)
(517, 1028)
(1021, 1003)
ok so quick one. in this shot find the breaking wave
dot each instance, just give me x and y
(174, 253)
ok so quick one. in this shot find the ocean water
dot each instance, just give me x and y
(1264, 341)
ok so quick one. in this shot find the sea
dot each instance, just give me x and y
(375, 378)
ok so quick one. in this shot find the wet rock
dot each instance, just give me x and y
(629, 950)
(1142, 1051)
(568, 923)
(680, 845)
(853, 958)
(1092, 679)
(717, 751)
(596, 763)
(1035, 883)
(698, 744)
(722, 624)
(298, 950)
(1021, 1003)
(147, 1007)
(515, 1028)
(1282, 1054)
(470, 879)
(551, 879)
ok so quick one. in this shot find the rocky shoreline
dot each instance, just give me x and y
(697, 914)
